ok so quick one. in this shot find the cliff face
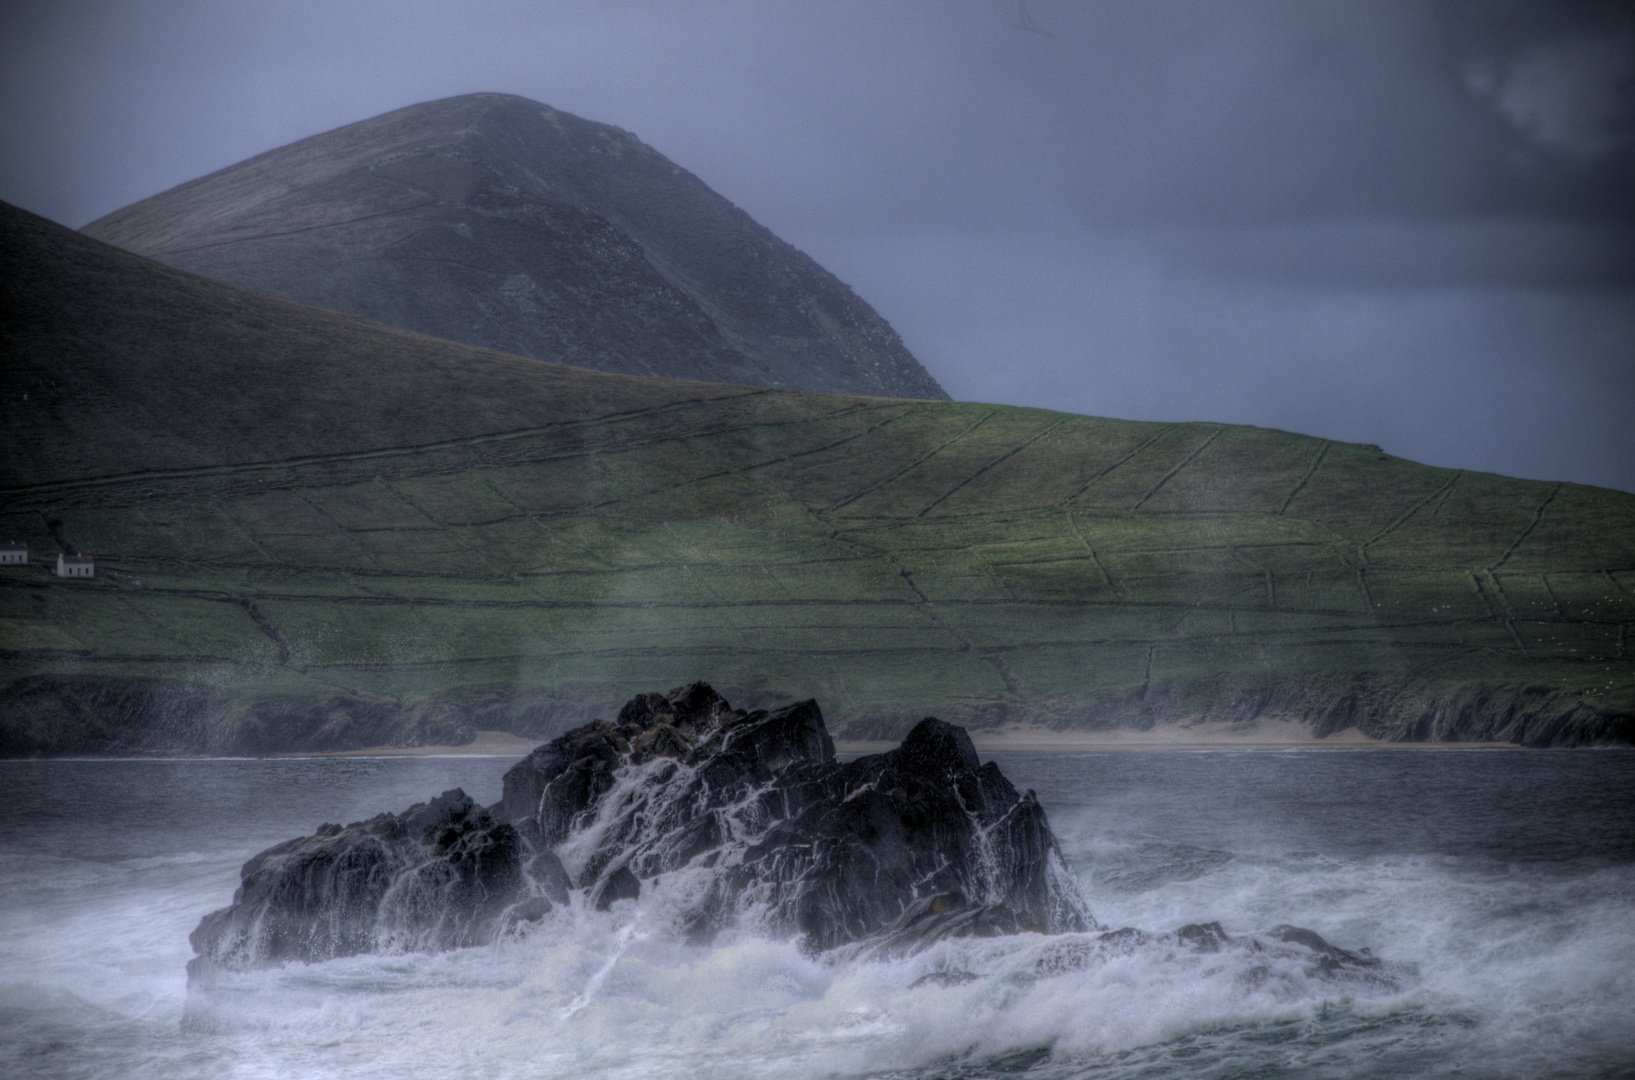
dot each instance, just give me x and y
(496, 221)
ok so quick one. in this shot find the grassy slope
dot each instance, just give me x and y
(330, 532)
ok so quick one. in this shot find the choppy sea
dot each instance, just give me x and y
(1499, 885)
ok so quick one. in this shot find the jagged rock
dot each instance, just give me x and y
(714, 817)
(441, 875)
(1326, 958)
(747, 816)
(908, 846)
(947, 915)
(621, 884)
(729, 818)
(1262, 955)
(1206, 937)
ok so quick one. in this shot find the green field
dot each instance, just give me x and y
(891, 558)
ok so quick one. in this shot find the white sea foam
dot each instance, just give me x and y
(1522, 970)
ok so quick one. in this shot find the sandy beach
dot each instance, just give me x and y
(486, 744)
(1259, 735)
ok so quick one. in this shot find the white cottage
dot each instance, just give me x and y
(13, 554)
(76, 566)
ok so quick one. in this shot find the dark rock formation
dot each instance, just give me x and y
(714, 818)
(1283, 952)
(440, 875)
(735, 818)
(910, 846)
(497, 221)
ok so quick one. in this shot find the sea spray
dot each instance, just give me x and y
(743, 821)
(1517, 923)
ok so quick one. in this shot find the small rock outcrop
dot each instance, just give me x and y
(732, 818)
(1280, 954)
(440, 875)
(714, 819)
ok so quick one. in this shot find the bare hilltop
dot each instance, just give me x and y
(496, 221)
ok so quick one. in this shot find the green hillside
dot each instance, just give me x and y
(313, 531)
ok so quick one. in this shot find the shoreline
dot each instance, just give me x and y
(488, 743)
(1264, 735)
(1080, 746)
(1276, 735)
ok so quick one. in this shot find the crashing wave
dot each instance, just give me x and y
(725, 820)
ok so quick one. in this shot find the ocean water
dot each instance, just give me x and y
(1497, 886)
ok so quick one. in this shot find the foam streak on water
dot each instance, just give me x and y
(1498, 887)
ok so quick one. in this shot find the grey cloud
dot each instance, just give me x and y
(1563, 75)
(1571, 96)
(1398, 256)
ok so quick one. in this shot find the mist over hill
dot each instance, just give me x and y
(315, 531)
(496, 221)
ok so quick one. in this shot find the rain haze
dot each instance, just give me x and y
(1410, 224)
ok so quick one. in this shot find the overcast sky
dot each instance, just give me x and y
(1410, 224)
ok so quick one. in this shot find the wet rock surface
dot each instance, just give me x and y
(732, 818)
(767, 828)
(1257, 960)
(440, 875)
(713, 820)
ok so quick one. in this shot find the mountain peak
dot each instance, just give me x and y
(493, 220)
